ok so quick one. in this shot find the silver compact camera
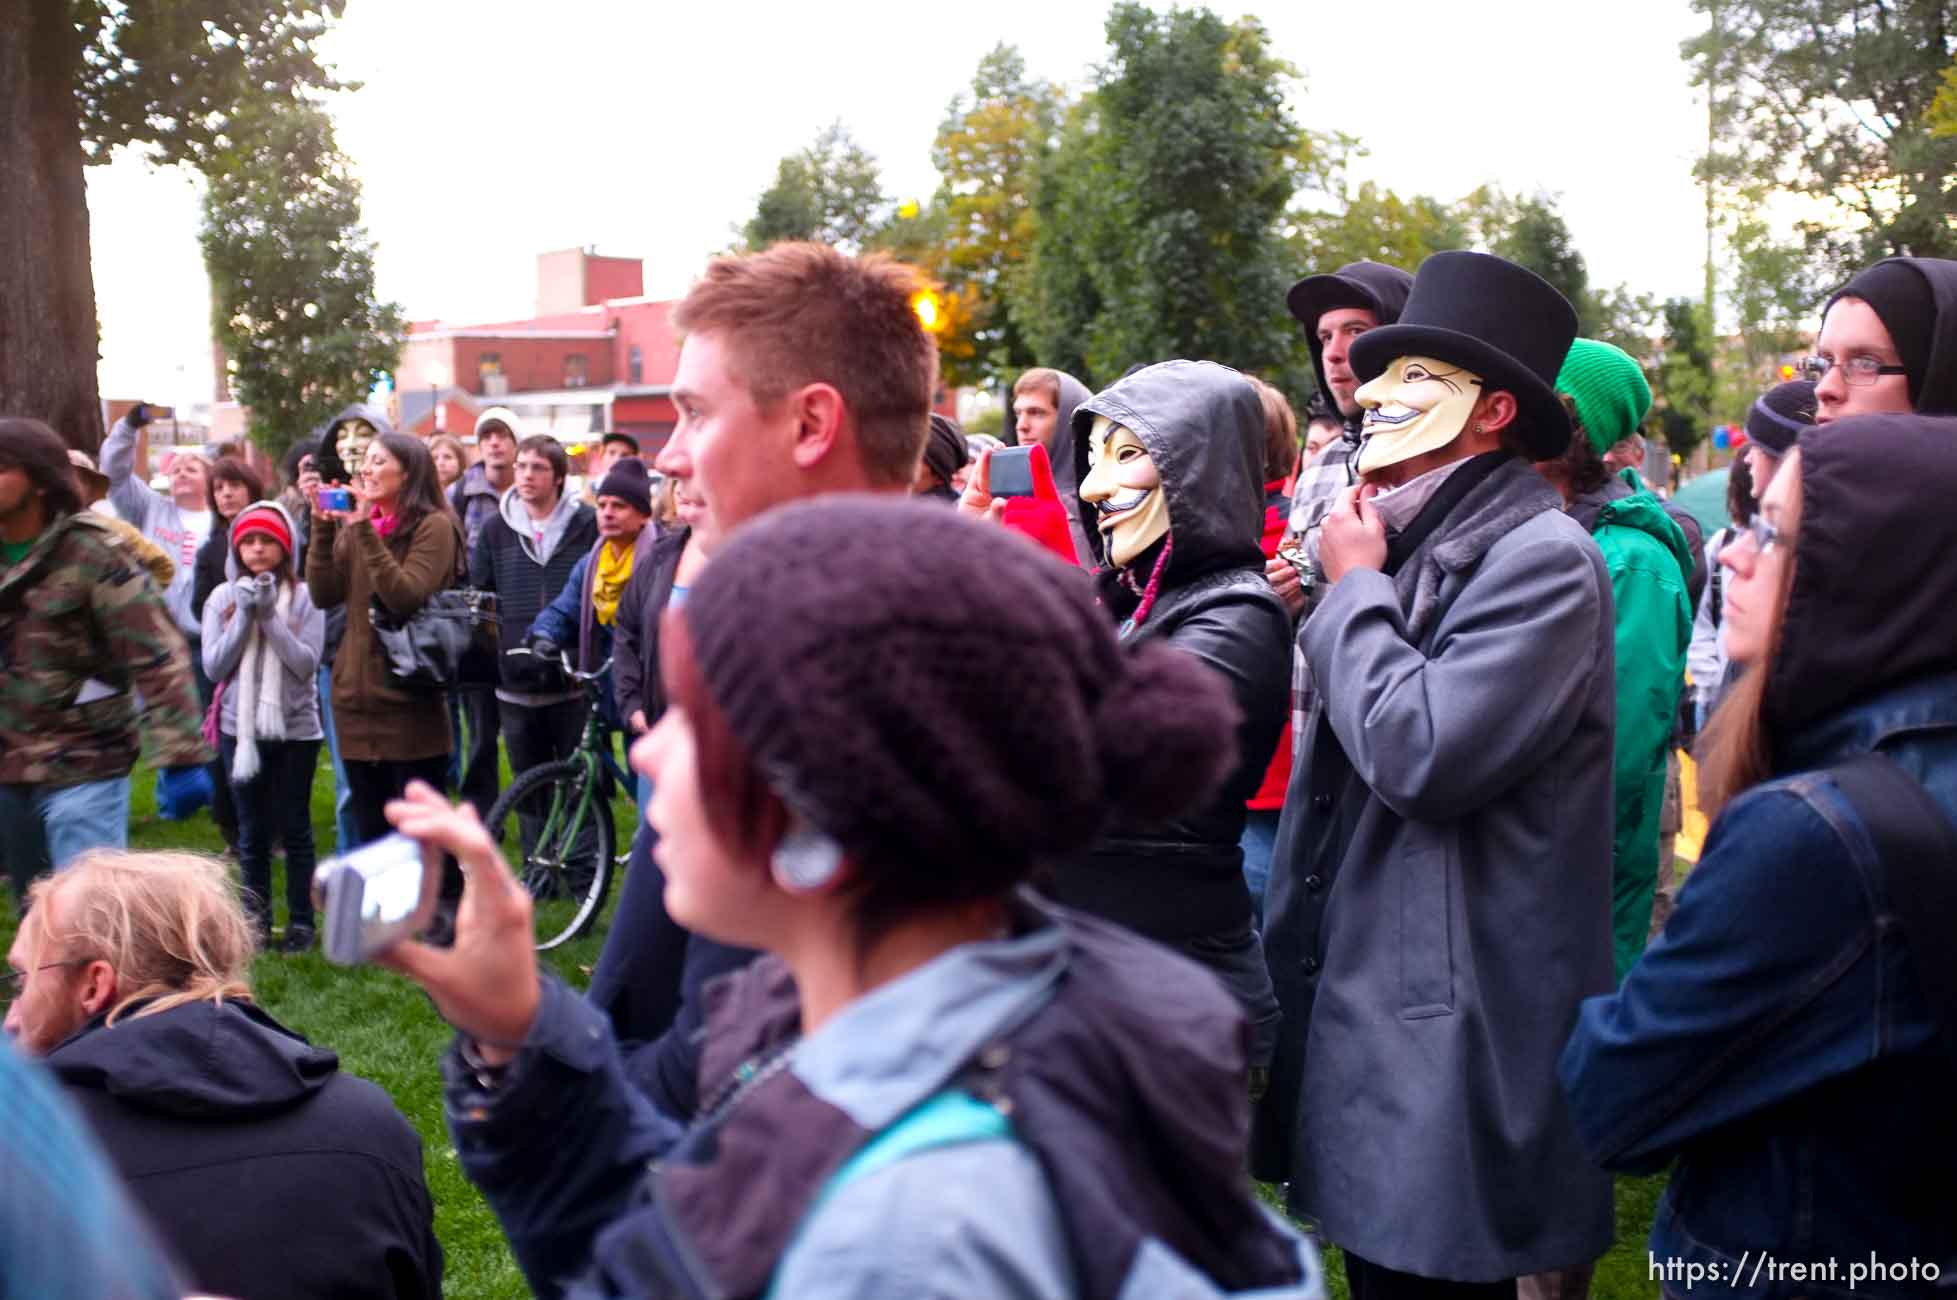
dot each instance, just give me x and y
(374, 897)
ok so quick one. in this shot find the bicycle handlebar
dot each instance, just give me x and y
(564, 663)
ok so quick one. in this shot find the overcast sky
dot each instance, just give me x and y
(487, 131)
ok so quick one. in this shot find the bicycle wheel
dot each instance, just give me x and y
(554, 826)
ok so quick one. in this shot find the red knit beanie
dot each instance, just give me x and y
(263, 517)
(934, 692)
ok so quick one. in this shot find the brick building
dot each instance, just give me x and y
(598, 356)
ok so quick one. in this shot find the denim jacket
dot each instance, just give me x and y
(1777, 1042)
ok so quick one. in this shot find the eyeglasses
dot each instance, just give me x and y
(15, 980)
(1858, 372)
(1765, 536)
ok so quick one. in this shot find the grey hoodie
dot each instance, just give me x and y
(517, 516)
(158, 518)
(1066, 470)
(295, 640)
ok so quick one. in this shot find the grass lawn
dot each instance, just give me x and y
(384, 1029)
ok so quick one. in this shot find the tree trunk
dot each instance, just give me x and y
(49, 343)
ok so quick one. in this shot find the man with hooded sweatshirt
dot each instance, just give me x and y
(1440, 893)
(1888, 342)
(264, 1168)
(525, 554)
(1043, 405)
(1174, 455)
(1650, 564)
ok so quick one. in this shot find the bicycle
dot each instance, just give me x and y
(554, 824)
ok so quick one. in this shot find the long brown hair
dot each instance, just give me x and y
(1735, 752)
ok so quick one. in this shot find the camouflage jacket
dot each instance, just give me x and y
(83, 634)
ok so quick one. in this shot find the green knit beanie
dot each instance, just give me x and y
(1609, 390)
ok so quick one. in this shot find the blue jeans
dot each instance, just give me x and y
(346, 839)
(49, 826)
(1258, 842)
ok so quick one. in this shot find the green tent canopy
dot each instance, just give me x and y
(1705, 497)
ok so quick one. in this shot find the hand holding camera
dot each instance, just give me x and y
(485, 984)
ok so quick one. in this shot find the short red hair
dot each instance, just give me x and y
(804, 314)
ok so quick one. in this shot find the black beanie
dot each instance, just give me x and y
(935, 693)
(1903, 299)
(1779, 414)
(945, 451)
(628, 481)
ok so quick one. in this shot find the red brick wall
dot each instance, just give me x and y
(532, 364)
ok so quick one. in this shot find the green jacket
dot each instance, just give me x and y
(83, 632)
(1649, 563)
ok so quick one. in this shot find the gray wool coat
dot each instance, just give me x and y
(1440, 897)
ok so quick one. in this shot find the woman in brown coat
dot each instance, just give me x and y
(398, 544)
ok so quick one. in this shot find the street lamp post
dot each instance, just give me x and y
(437, 377)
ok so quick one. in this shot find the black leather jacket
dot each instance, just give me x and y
(1204, 427)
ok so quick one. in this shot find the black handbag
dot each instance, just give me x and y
(450, 641)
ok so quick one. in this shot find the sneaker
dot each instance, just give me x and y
(298, 938)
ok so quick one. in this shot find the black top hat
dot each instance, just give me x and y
(1503, 322)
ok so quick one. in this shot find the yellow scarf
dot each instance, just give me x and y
(614, 570)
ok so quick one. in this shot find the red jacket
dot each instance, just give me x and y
(1270, 795)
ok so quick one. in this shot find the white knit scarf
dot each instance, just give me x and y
(259, 703)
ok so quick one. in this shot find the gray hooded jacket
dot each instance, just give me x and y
(1066, 471)
(296, 642)
(159, 519)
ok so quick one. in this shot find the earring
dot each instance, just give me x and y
(1477, 430)
(805, 860)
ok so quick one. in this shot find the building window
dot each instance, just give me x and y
(576, 371)
(489, 363)
(635, 365)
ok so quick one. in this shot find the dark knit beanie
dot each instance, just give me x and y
(1779, 415)
(1907, 306)
(935, 693)
(945, 451)
(628, 482)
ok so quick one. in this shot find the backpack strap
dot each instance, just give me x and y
(948, 1118)
(1917, 848)
(1718, 597)
(944, 1119)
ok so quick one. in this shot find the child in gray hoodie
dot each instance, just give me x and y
(262, 640)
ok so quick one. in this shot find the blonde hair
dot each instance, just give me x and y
(168, 923)
(1736, 750)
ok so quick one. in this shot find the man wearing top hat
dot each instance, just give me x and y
(1440, 894)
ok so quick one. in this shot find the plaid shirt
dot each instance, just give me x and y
(1312, 498)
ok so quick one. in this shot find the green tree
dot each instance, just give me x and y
(1684, 390)
(1538, 239)
(1162, 209)
(1942, 119)
(983, 220)
(830, 192)
(1373, 223)
(1832, 100)
(292, 274)
(77, 79)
